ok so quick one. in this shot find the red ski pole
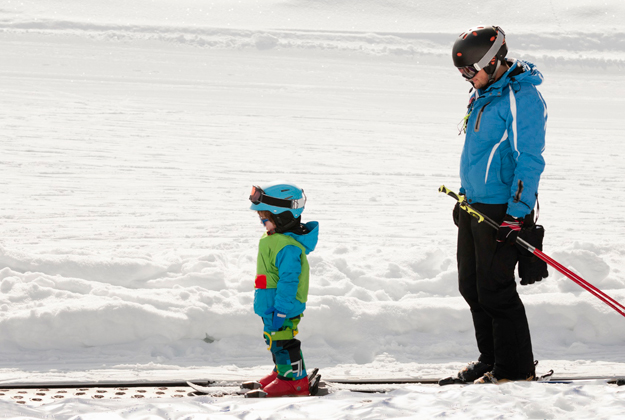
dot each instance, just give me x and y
(538, 253)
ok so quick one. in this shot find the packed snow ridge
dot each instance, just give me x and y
(582, 48)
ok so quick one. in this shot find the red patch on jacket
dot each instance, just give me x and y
(261, 281)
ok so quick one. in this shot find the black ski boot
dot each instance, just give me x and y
(490, 378)
(470, 373)
(473, 371)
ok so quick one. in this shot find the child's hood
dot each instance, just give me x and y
(308, 240)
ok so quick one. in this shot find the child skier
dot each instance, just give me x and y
(282, 282)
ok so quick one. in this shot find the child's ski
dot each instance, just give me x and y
(252, 389)
(315, 387)
(215, 389)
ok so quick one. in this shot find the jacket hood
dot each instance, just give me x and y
(528, 74)
(308, 240)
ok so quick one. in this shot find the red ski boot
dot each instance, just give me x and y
(284, 388)
(268, 379)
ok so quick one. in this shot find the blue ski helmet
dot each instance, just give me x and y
(278, 198)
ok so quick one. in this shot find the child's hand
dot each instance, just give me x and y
(278, 318)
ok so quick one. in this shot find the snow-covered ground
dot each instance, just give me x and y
(132, 132)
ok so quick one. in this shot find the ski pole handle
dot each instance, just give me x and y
(449, 192)
(481, 217)
(463, 204)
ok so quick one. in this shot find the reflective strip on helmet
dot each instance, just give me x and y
(494, 49)
(299, 203)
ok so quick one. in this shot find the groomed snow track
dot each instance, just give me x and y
(45, 393)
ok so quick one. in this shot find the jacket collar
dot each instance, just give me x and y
(518, 71)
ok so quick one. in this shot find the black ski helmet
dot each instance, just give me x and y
(482, 47)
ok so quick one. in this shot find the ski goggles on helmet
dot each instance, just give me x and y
(468, 72)
(258, 196)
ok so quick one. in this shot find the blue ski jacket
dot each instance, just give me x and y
(505, 139)
(288, 262)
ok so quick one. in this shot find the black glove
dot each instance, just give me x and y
(531, 268)
(455, 214)
(509, 229)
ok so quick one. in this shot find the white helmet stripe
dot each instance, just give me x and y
(484, 61)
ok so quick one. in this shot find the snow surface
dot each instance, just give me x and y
(133, 131)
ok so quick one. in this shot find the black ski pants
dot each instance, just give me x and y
(486, 281)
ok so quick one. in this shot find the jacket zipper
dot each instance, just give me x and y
(479, 118)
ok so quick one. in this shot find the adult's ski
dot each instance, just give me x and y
(550, 379)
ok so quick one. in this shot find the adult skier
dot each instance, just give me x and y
(500, 169)
(281, 284)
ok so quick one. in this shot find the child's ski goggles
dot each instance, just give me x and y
(258, 196)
